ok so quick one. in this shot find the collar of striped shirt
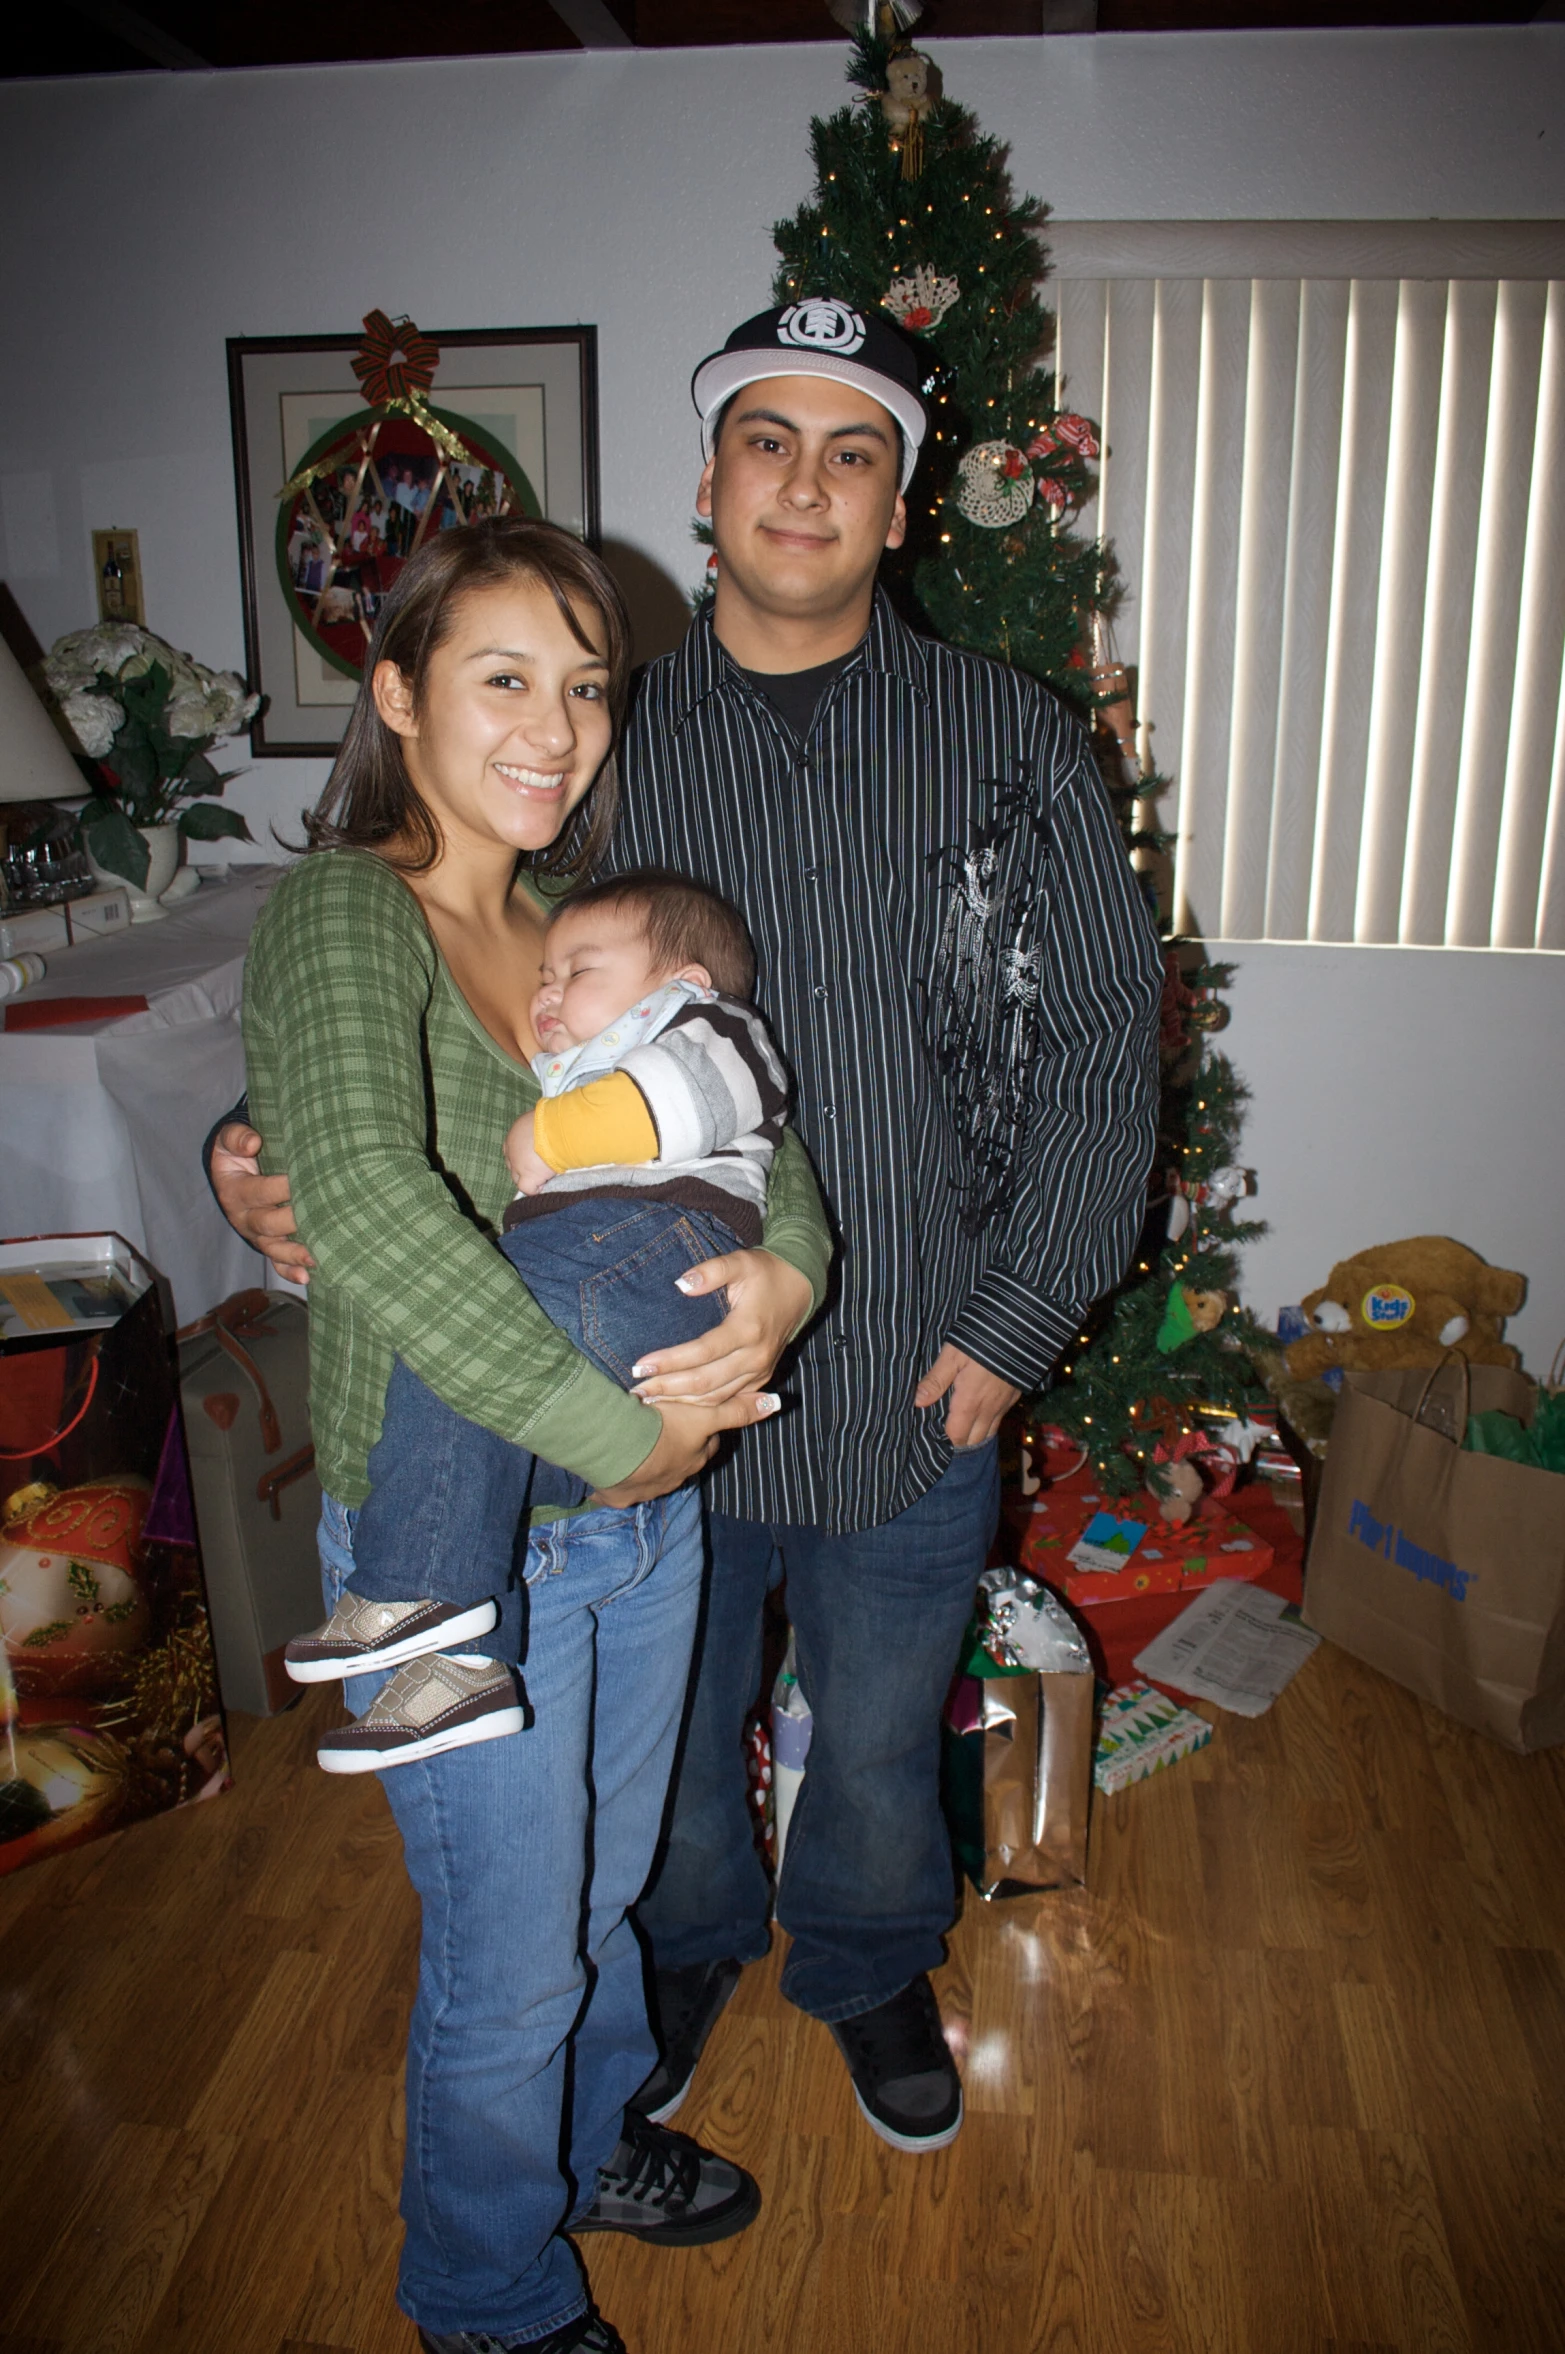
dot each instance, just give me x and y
(702, 664)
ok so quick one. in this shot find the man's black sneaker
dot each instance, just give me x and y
(689, 2004)
(589, 2333)
(904, 2078)
(665, 2188)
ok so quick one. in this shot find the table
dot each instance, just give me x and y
(102, 1123)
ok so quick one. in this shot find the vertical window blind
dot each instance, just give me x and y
(1337, 496)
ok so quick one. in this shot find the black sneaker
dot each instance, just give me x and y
(689, 2003)
(664, 2188)
(589, 2333)
(904, 2078)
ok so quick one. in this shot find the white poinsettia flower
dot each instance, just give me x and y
(200, 702)
(189, 714)
(94, 720)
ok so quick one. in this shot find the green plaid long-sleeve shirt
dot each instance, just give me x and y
(386, 1101)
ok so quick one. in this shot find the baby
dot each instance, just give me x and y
(662, 1104)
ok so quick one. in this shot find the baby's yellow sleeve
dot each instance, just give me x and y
(607, 1120)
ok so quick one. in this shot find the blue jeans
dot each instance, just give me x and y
(867, 1888)
(443, 1517)
(529, 2030)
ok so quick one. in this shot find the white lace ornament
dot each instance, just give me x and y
(994, 485)
(921, 300)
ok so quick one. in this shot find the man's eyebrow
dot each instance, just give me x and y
(790, 424)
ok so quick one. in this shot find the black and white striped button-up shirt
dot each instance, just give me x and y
(959, 968)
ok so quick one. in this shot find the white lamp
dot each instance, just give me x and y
(34, 762)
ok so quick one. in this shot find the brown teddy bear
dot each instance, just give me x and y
(1406, 1303)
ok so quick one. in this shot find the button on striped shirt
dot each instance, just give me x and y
(959, 968)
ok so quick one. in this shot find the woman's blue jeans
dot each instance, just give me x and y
(529, 2029)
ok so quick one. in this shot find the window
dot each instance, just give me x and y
(1334, 475)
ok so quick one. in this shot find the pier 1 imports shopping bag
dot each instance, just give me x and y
(1443, 1567)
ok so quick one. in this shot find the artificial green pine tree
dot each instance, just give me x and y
(1149, 1365)
(992, 563)
(957, 261)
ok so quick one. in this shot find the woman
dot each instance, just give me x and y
(387, 1038)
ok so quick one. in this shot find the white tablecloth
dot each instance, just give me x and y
(101, 1124)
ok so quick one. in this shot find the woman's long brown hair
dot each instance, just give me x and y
(370, 799)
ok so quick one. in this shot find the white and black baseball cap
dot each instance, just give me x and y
(819, 337)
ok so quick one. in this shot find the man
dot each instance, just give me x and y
(957, 964)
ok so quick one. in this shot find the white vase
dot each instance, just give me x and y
(162, 861)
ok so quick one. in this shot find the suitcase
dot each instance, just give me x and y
(244, 1375)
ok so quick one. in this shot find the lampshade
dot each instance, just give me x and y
(34, 762)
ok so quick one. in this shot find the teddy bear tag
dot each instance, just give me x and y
(1386, 1307)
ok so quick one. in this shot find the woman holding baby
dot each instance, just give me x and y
(389, 1019)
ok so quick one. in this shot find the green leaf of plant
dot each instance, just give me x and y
(204, 821)
(114, 842)
(147, 695)
(135, 761)
(198, 770)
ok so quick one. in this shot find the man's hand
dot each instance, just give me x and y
(766, 1301)
(525, 1162)
(257, 1207)
(688, 1443)
(978, 1401)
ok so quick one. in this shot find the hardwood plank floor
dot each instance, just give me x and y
(1286, 2077)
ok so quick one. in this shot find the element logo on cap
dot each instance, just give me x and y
(821, 325)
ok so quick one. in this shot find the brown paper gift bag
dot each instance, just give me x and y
(1442, 1568)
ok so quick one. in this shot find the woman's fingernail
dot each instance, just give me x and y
(768, 1404)
(638, 1372)
(683, 1283)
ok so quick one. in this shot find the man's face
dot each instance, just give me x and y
(802, 496)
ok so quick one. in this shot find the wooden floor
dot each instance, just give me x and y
(1289, 2075)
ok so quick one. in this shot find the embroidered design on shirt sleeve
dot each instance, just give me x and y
(981, 1005)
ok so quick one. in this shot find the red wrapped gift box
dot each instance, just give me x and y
(1248, 1537)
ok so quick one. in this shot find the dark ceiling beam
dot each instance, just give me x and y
(1069, 16)
(141, 34)
(594, 24)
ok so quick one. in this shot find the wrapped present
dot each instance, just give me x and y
(1018, 1750)
(1141, 1732)
(1247, 1538)
(1059, 1546)
(791, 1729)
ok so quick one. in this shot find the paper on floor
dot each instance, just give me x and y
(1233, 1645)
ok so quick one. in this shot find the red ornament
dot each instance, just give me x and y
(1077, 434)
(1042, 445)
(1054, 495)
(1014, 464)
(394, 359)
(918, 318)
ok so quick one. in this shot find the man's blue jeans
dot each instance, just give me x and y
(444, 1512)
(867, 1888)
(529, 2030)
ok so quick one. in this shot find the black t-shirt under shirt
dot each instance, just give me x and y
(795, 694)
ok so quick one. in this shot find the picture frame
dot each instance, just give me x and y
(116, 572)
(524, 401)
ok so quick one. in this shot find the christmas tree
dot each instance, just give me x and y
(913, 213)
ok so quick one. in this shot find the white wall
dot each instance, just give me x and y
(148, 218)
(1401, 1091)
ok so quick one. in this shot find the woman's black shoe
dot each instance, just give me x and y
(589, 2333)
(666, 2189)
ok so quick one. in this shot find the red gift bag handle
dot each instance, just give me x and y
(25, 1454)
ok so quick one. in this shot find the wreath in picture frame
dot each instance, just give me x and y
(371, 489)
